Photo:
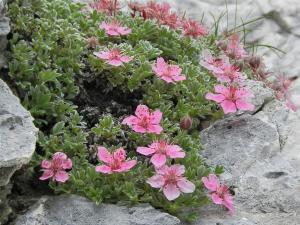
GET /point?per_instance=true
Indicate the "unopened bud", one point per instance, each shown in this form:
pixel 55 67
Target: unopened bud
pixel 222 45
pixel 186 123
pixel 92 42
pixel 255 62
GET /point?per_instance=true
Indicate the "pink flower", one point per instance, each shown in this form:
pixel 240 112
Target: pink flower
pixel 234 48
pixel 115 162
pixel 231 98
pixel 166 72
pixel 107 6
pixel 145 121
pixel 211 63
pixel 219 192
pixel 113 57
pixel 171 181
pixel 114 28
pixel 193 29
pixel 160 150
pixel 162 13
pixel 55 168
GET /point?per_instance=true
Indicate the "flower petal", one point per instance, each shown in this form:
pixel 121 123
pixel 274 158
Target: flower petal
pixel 46 164
pixel 103 169
pixel 130 120
pixel 158 160
pixel 46 175
pixel 215 97
pixel 157 129
pixel 174 151
pixel 186 186
pixel 171 192
pixel 155 117
pixel 61 176
pixel 216 199
pixel 104 155
pixel 139 129
pixel 102 55
pixel 156 181
pixel 125 166
pixel 221 90
pixel 145 150
pixel 141 111
pixel 67 164
pixel 211 182
pixel 242 105
pixel 228 106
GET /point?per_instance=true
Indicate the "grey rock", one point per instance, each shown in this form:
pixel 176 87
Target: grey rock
pixel 265 174
pixel 74 210
pixel 2 6
pixel 262 94
pixel 17 134
pixel 236 143
pixel 4 26
pixel 277 113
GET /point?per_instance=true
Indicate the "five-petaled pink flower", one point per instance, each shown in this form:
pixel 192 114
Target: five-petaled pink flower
pixel 193 29
pixel 166 72
pixel 171 181
pixel 231 98
pixel 114 28
pixel 56 168
pixel 235 48
pixel 160 150
pixel 115 162
pixel 145 121
pixel 219 192
pixel 113 57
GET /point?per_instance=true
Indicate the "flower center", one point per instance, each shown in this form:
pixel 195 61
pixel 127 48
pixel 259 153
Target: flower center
pixel 144 122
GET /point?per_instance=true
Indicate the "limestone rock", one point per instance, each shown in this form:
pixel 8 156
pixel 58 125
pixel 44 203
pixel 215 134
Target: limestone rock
pixel 74 210
pixel 264 173
pixel 262 94
pixel 17 134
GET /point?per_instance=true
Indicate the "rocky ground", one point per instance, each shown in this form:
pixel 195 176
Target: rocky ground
pixel 260 151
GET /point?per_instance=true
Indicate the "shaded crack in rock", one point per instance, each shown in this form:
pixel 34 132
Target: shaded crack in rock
pixel 275 16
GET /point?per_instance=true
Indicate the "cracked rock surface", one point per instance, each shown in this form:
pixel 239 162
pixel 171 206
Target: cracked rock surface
pixel 74 210
pixel 17 134
pixel 259 164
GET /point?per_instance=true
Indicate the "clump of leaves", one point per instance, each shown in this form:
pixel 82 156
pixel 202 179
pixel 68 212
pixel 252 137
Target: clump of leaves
pixel 61 69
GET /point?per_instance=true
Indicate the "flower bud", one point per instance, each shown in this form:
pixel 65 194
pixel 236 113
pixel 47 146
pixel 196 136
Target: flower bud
pixel 92 42
pixel 221 45
pixel 255 62
pixel 186 123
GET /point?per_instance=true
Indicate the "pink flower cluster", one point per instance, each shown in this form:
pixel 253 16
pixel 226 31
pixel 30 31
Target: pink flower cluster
pixel 231 94
pixel 233 48
pixel 162 13
pixel 110 7
pixel 169 179
pixel 219 193
pixel 281 86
